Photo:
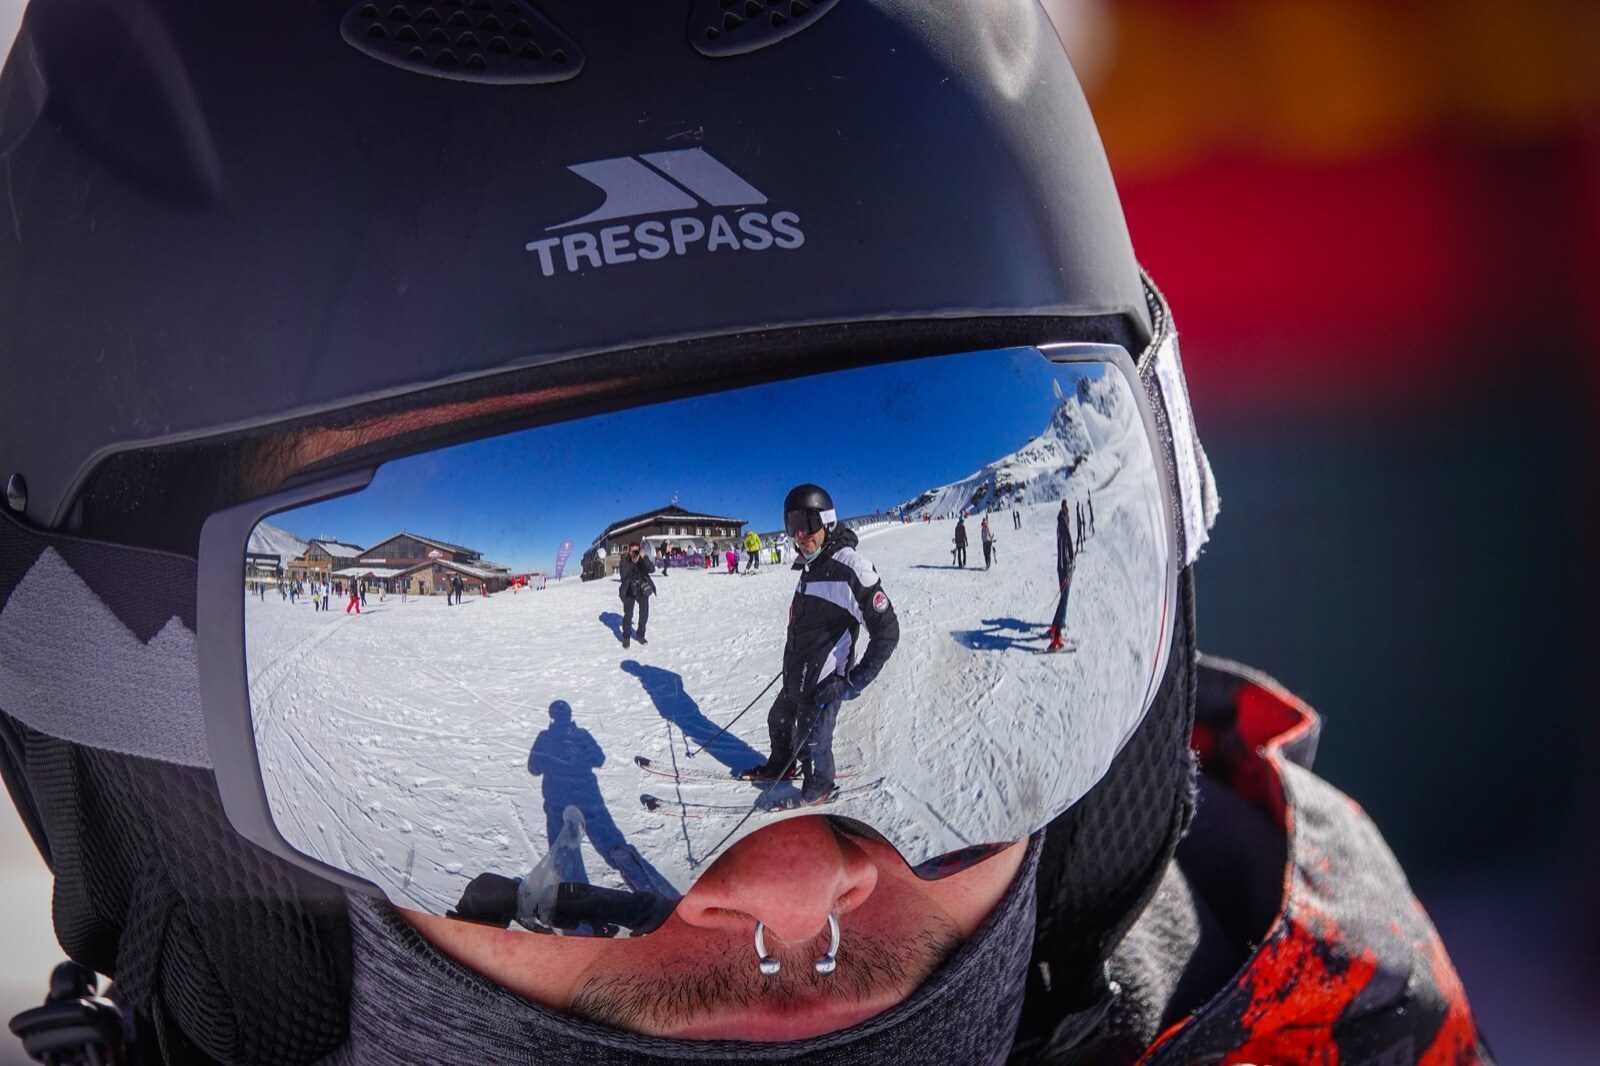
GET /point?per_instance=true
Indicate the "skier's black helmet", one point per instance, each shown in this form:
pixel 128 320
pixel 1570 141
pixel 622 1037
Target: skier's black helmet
pixel 807 509
pixel 247 242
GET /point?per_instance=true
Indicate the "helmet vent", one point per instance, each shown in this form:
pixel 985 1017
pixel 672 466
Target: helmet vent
pixel 733 27
pixel 446 39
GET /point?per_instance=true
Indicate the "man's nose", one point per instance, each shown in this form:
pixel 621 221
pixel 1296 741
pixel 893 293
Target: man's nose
pixel 789 876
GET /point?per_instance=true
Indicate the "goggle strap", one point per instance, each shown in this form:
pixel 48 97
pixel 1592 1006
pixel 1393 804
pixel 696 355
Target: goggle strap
pixel 100 644
pixel 1191 483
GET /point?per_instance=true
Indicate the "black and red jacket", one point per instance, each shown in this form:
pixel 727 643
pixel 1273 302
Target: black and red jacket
pixel 1284 930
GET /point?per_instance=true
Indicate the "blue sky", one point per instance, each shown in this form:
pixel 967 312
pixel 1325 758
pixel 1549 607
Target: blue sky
pixel 873 437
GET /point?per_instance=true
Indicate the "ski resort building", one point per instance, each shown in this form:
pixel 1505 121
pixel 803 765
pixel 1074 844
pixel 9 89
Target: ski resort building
pixel 671 522
pixel 321 560
pixel 427 564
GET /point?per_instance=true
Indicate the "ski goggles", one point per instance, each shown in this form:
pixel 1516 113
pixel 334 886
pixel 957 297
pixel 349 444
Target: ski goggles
pixel 421 679
pixel 807 520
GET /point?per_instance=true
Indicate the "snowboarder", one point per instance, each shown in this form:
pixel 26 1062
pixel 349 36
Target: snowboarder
pixel 1016 518
pixel 355 600
pixel 838 593
pixel 986 538
pixel 961 541
pixel 1066 559
pixel 636 588
pixel 733 560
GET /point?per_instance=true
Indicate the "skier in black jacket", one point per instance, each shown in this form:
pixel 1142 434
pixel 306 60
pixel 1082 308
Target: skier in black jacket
pixel 838 593
pixel 637 587
pixel 1066 560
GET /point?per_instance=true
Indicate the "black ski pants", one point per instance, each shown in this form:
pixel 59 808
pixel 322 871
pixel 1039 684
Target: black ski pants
pixel 961 555
pixel 801 728
pixel 627 615
pixel 1060 620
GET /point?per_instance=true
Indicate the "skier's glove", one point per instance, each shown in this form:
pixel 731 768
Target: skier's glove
pixel 834 689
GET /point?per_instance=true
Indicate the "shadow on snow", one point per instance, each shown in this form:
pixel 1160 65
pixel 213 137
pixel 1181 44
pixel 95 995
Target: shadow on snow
pixel 665 690
pixel 999 634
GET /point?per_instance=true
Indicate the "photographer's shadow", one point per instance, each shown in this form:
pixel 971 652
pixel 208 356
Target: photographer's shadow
pixel 566 756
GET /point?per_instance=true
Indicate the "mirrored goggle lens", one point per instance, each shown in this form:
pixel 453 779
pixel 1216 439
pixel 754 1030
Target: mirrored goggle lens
pixel 465 689
pixel 801 523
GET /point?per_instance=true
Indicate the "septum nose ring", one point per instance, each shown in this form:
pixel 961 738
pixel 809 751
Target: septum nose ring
pixel 826 964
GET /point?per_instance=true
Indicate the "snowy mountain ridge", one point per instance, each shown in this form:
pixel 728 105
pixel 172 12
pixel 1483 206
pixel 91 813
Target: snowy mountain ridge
pixel 1042 468
pixel 270 540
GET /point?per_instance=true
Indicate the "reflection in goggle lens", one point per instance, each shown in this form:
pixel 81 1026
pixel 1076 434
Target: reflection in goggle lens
pixel 804 521
pixel 444 707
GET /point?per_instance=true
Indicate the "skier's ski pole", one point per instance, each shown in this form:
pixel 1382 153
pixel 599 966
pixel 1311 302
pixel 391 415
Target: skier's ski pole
pixel 761 802
pixel 736 717
pixel 1060 590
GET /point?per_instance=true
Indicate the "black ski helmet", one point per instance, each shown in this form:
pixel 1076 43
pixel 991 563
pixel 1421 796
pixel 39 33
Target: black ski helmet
pixel 810 499
pixel 223 220
pixel 227 223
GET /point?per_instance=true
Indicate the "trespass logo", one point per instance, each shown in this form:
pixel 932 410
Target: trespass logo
pixel 665 183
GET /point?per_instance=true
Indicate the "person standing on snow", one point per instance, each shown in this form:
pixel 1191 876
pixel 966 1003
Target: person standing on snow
pixel 1066 560
pixel 839 592
pixel 636 588
pixel 752 547
pixel 961 541
pixel 986 538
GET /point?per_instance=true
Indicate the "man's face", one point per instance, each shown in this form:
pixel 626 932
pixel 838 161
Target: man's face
pixel 696 977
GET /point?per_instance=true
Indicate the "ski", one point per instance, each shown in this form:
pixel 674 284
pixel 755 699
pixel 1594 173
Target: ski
pixel 649 767
pixel 687 809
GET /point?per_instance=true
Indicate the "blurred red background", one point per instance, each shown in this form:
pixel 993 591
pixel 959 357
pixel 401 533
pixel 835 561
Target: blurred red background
pixel 1378 224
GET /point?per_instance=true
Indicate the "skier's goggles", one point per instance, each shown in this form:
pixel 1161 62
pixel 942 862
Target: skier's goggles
pixel 460 721
pixel 806 520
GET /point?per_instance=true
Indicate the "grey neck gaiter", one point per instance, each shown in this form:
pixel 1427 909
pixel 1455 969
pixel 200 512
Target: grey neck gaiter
pixel 410 1003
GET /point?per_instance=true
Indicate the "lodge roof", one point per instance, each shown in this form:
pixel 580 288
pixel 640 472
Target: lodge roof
pixel 671 512
pixel 446 545
pixel 335 549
